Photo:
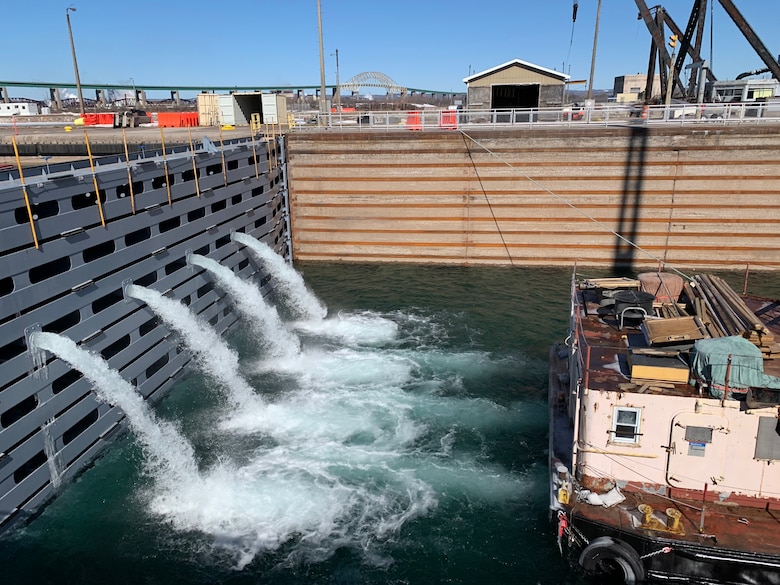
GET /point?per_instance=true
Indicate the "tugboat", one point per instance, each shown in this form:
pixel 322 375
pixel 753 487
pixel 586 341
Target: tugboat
pixel 665 431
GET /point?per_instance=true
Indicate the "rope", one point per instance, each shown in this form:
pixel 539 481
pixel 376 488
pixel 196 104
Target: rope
pixel 577 209
pixel 490 205
pixel 664 551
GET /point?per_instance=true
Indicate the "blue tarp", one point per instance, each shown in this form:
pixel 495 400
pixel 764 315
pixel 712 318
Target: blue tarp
pixel 710 362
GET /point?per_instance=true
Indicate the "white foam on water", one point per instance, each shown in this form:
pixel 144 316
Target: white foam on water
pixel 297 495
pixel 262 317
pixel 211 352
pixel 352 328
pixel 289 281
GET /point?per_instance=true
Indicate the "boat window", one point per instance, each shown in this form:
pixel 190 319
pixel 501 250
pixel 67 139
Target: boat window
pixel 625 425
pixel 768 439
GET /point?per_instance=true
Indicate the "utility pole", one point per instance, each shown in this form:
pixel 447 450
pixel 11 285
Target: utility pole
pixel 593 58
pixel 338 86
pixel 68 10
pixel 670 77
pixel 323 103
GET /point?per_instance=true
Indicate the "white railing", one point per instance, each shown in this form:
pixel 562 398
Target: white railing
pixel 604 115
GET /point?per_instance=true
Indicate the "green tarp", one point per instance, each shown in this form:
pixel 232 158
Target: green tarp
pixel 710 363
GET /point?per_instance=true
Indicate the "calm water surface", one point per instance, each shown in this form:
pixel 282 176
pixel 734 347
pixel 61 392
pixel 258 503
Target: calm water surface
pixel 406 444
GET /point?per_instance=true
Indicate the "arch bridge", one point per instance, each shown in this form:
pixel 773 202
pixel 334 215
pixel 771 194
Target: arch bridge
pixel 372 79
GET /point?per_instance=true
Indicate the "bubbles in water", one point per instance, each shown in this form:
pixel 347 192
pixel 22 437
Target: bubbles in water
pixel 375 430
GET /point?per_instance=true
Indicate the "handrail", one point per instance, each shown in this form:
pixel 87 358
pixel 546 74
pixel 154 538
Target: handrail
pixel 568 116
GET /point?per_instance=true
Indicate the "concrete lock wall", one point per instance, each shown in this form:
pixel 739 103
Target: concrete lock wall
pixel 691 197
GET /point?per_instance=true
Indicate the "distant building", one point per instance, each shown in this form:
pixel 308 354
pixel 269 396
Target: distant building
pixel 745 90
pixel 515 84
pixel 631 88
pixel 20 108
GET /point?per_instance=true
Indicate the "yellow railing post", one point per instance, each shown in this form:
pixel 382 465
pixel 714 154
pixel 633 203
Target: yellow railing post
pixel 129 174
pixel 194 165
pixel 222 149
pixel 165 166
pixel 254 151
pixel 24 192
pixel 94 179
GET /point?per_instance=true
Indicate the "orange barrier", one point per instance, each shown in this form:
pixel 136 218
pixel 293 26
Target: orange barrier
pixel 177 119
pixel 449 120
pixel 94 119
pixel 413 121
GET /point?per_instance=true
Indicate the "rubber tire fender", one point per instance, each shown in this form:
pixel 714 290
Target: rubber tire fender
pixel 618 554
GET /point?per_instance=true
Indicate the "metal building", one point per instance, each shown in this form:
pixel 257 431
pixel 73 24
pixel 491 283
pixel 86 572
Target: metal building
pixel 515 84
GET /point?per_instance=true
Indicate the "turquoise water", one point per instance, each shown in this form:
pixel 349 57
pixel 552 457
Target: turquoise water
pixel 405 444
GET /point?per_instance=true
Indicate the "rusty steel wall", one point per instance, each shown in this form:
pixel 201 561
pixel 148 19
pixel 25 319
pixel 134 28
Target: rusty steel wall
pixel 697 197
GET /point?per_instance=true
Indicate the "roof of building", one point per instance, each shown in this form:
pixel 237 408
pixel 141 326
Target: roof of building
pixel 518 63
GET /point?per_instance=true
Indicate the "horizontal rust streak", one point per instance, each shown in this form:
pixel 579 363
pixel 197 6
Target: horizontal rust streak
pixel 369 244
pixel 522 164
pixel 544 261
pixel 541 191
pixel 545 178
pixel 526 232
pixel 578 218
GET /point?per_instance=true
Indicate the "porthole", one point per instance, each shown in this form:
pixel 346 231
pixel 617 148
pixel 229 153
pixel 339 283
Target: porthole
pixel 138 236
pixel 196 214
pixel 99 251
pixel 261 221
pixel 18 411
pixel 111 350
pixel 146 280
pixel 175 265
pixel 170 224
pixel 65 380
pixel 53 268
pixel 85 200
pixel 12 349
pixel 213 169
pixel 223 241
pixel 6 286
pixel 81 426
pixel 150 325
pixel 63 323
pixel 258 190
pixel 219 206
pixel 156 366
pixel 206 288
pixel 236 199
pixel 27 468
pixel 39 211
pixel 106 301
pixel 232 165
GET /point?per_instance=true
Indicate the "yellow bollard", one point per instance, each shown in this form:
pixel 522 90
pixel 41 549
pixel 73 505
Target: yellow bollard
pixel 673 519
pixel 647 513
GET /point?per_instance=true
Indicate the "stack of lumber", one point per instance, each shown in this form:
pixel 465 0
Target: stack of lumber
pixel 724 313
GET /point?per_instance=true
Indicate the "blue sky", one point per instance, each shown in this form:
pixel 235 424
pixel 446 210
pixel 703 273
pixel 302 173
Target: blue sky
pixel 429 44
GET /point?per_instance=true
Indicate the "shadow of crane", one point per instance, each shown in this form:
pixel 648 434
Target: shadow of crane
pixel 631 201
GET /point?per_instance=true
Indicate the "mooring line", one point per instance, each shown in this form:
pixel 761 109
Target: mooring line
pixel 577 209
pixel 490 206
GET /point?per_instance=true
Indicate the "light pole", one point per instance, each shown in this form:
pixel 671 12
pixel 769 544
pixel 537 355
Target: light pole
pixel 593 58
pixel 338 87
pixel 323 105
pixel 68 10
pixel 135 94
